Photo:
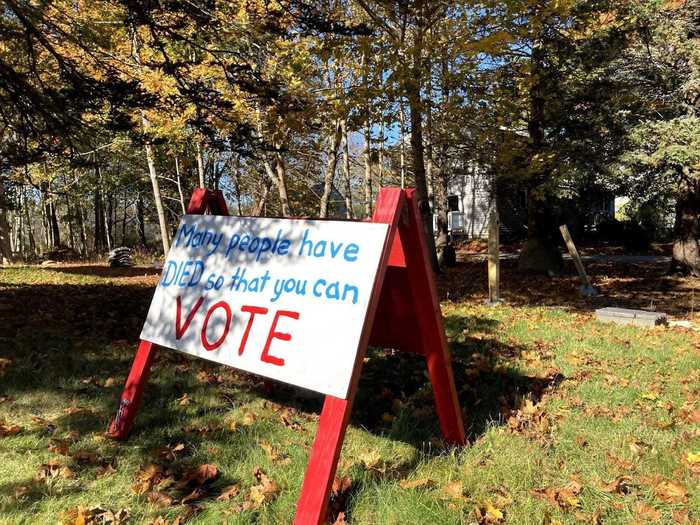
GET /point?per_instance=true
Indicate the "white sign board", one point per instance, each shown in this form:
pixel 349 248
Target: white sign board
pixel 285 299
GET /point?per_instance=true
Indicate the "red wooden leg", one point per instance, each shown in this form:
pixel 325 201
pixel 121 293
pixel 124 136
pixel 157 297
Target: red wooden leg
pixel 446 402
pixel 133 390
pixel 320 472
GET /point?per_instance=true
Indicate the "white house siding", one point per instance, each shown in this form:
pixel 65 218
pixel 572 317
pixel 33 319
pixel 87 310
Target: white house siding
pixel 473 195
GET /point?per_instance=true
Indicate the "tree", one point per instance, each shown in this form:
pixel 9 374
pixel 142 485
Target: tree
pixel 659 75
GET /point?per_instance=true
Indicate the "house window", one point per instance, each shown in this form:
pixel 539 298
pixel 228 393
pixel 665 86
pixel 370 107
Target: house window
pixel 453 203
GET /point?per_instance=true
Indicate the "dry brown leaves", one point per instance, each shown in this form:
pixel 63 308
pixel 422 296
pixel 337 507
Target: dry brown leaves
pixel 170 452
pixel 563 497
pixel 646 513
pixel 620 485
pixel 274 455
pixel 9 430
pixel 94 516
pixel 52 470
pixel 423 483
pixel 670 491
pixel 264 491
pixel 165 487
pixel 229 492
pixel 488 513
pixel 532 421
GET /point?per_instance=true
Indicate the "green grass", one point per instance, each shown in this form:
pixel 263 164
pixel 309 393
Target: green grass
pixel 551 398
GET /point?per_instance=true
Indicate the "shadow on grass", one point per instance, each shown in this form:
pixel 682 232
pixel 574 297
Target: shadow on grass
pixel 58 330
pixel 69 339
pixel 638 285
pixel 96 270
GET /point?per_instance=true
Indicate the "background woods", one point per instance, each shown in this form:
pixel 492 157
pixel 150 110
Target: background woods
pixel 111 112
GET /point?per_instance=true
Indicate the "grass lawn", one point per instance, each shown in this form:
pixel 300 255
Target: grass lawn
pixel 569 421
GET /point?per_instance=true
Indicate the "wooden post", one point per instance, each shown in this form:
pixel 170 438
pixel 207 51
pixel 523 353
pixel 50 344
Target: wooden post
pixel 586 288
pixel 494 258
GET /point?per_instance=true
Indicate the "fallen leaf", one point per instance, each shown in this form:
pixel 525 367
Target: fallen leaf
pixel 454 490
pixel 565 497
pixel 548 520
pixel 161 499
pixel 416 483
pixel 59 446
pixel 340 520
pixel 53 469
pixel 620 485
pixel 83 456
pixel 201 475
pixel 671 492
pixel 693 457
pixel 196 494
pixel 341 485
pixel 647 513
pixel 488 513
pixel 9 430
pixel 266 490
pixel 371 459
pixel 229 492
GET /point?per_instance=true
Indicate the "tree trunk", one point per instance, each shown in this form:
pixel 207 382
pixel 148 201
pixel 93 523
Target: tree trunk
pixel 125 209
pixel 53 220
pixel 367 182
pixel 686 253
pixel 200 165
pixel 53 234
pixel 540 253
pixel 150 159
pixel 413 88
pixel 141 219
pixel 27 220
pixel 100 235
pixel 382 139
pixel 330 170
pixel 107 210
pixel 81 228
pixel 69 218
pixel 237 185
pixel 5 249
pixel 260 207
pixel 282 185
pixel 346 171
pixel 402 146
pixel 179 186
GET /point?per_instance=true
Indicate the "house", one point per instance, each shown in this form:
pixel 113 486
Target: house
pixel 469 203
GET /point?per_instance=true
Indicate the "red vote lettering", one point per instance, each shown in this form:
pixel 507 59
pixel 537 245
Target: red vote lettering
pixel 216 344
pixel 266 357
pixel 180 330
pixel 252 310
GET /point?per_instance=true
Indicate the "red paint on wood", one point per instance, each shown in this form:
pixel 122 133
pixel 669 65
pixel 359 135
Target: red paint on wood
pixel 429 319
pixel 123 422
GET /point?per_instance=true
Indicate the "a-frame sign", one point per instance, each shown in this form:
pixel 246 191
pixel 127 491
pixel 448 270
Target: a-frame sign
pixel 403 313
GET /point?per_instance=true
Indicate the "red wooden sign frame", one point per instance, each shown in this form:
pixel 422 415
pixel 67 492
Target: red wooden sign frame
pixel 404 313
